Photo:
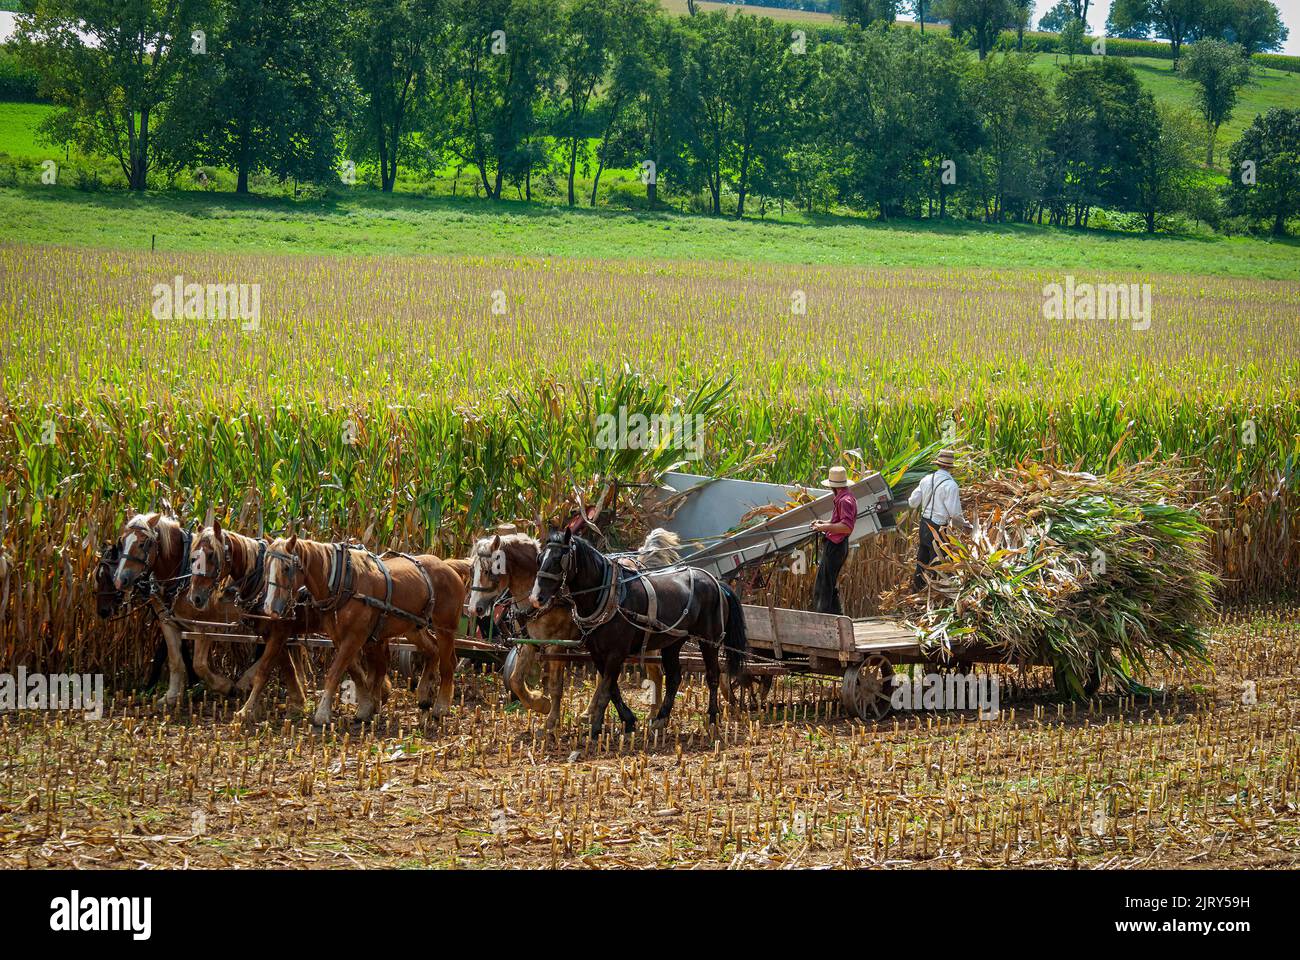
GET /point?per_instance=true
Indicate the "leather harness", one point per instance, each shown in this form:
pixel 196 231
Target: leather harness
pixel 613 595
pixel 341 586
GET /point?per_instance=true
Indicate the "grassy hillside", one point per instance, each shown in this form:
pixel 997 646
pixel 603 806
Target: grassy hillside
pixel 366 222
pixel 1268 89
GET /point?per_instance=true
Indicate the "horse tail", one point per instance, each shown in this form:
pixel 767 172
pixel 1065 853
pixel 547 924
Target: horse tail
pixel 735 640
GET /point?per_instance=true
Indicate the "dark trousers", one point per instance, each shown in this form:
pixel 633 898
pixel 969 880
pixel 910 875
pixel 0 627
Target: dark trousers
pixel 927 551
pixel 826 594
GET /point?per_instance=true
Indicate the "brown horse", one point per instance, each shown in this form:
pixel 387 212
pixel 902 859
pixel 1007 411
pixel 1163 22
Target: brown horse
pixel 506 566
pixel 153 554
pixel 364 601
pixel 229 568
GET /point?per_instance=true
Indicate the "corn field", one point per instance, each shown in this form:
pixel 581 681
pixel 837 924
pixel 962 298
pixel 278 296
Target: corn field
pixel 1195 777
pixel 413 402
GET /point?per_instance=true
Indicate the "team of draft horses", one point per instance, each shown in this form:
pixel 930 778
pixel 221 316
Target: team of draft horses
pixel 559 589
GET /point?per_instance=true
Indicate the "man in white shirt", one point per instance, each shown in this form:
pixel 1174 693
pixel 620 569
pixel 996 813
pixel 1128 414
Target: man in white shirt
pixel 938 499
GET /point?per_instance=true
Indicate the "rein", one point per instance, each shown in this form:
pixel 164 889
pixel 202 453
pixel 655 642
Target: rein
pixel 612 591
pixel 341 586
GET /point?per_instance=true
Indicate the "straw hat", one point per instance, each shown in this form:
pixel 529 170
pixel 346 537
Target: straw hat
pixel 506 529
pixel 944 459
pixel 838 477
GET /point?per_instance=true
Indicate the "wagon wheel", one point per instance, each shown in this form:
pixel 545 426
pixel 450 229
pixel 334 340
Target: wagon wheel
pixel 867 688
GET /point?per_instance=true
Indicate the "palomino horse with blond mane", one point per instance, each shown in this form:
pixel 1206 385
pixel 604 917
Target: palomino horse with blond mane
pixel 153 555
pixel 503 570
pixel 229 568
pixel 364 600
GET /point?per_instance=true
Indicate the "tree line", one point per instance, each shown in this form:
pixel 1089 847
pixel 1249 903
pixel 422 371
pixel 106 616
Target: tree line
pixel 728 113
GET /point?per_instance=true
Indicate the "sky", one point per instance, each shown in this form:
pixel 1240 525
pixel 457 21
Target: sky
pixel 1100 10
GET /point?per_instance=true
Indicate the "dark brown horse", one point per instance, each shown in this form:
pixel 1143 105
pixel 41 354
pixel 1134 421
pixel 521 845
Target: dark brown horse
pixel 504 569
pixel 619 611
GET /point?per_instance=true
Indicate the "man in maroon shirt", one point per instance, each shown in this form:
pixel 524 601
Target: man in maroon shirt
pixel 834 543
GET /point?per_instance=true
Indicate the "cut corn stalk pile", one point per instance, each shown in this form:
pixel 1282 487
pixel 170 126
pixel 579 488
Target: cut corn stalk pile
pixel 1094 575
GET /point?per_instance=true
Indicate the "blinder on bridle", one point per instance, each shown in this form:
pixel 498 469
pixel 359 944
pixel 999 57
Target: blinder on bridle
pixel 222 561
pixel 296 567
pixel 149 550
pixel 565 550
pixel 109 557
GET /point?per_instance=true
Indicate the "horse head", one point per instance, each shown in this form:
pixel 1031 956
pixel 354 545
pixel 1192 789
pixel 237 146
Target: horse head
pixel 139 548
pixel 209 564
pixel 107 597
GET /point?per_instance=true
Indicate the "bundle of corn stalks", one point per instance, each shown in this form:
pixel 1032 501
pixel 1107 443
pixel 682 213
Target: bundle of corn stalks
pixel 1094 575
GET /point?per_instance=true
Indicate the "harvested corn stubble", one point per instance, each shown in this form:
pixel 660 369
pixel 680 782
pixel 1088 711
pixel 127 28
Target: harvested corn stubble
pixel 1094 575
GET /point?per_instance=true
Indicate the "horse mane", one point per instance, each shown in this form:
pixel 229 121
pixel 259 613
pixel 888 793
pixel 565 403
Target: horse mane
pixel 462 566
pixel 166 530
pixel 518 547
pixel 660 548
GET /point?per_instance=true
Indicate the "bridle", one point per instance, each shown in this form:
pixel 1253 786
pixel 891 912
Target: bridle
pixel 296 567
pixel 518 615
pixel 149 550
pixel 109 557
pixel 566 564
pixel 224 560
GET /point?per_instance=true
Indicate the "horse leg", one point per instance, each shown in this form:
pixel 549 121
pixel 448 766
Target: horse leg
pixel 711 674
pixel 345 655
pixel 294 668
pixel 428 645
pixel 156 667
pixel 655 674
pixel 175 662
pixel 446 671
pixel 534 700
pixel 212 681
pixel 251 710
pixel 245 681
pixel 555 691
pixel 371 697
pixel 608 677
pixel 670 658
pixel 622 709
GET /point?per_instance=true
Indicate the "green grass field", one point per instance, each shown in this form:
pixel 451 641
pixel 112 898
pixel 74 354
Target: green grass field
pixel 18 137
pixel 367 223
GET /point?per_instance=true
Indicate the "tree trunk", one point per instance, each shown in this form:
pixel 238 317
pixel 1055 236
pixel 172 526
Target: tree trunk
pixel 573 166
pixel 140 158
pixel 1151 221
pixel 241 186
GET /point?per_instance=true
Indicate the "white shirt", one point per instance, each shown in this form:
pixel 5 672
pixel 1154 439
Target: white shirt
pixel 938 497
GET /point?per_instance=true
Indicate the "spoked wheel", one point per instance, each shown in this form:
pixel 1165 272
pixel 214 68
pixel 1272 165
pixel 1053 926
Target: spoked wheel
pixel 867 688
